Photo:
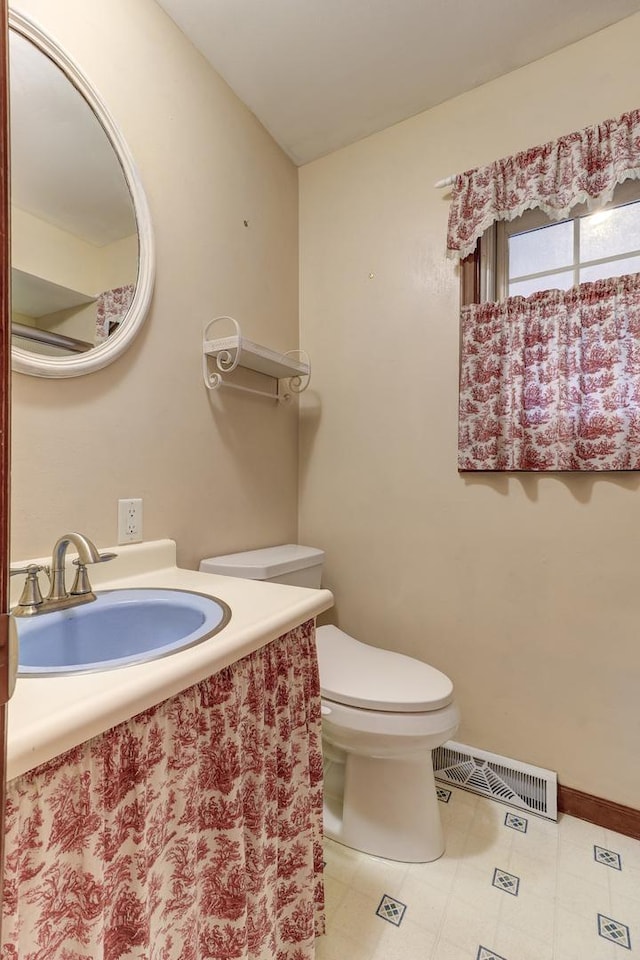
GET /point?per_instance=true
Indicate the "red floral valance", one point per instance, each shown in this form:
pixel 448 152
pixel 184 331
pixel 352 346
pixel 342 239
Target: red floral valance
pixel 582 167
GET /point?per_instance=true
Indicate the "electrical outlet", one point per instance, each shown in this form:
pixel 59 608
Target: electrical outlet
pixel 129 521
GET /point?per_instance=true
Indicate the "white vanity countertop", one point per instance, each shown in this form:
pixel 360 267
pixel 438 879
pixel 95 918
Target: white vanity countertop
pixel 48 715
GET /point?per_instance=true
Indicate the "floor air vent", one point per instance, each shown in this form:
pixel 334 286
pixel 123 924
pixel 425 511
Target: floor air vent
pixel 509 781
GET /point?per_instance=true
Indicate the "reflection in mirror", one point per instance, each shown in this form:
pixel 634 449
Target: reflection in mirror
pixel 82 267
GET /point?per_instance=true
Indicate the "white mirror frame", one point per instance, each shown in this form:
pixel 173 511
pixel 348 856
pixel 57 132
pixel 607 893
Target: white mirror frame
pixel 37 365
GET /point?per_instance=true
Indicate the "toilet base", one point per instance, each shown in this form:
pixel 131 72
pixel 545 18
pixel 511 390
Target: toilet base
pixel 388 807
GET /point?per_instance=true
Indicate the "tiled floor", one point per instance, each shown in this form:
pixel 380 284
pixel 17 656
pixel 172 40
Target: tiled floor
pixel 510 886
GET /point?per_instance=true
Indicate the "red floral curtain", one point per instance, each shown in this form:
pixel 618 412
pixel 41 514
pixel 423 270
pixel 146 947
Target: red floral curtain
pixel 552 381
pixel 192 831
pixel 584 166
pixel 113 306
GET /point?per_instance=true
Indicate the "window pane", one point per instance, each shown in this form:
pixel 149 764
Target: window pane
pixel 548 248
pixel 616 268
pixel 552 281
pixel 609 233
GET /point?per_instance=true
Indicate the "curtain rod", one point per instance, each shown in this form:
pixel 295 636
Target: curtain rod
pixel 445 182
pixel 50 338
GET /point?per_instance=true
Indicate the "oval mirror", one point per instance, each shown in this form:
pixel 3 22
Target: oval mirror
pixel 82 253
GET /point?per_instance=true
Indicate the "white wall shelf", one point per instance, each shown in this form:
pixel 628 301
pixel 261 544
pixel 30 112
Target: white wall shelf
pixel 233 351
pixel 35 296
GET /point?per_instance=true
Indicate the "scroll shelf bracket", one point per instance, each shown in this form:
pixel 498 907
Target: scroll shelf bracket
pixel 291 371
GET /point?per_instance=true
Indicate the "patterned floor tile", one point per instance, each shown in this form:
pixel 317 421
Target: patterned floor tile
pixel 506 881
pixel 485 954
pixel 443 795
pixel 608 857
pixel 516 823
pixel 614 930
pixel 391 909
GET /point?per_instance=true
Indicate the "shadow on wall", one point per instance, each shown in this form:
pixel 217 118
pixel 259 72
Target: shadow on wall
pixel 310 413
pixel 579 485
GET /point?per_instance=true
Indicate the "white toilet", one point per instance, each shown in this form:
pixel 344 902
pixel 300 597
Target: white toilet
pixel 382 715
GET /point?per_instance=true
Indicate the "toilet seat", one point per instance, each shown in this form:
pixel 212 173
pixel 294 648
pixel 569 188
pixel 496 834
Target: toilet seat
pixel 359 675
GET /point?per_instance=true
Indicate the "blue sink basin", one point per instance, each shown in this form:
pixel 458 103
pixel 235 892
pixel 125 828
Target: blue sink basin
pixel 119 628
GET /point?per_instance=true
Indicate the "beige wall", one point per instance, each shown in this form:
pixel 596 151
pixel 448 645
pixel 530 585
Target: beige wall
pixel 118 263
pixel 46 251
pixel 524 589
pixel 215 472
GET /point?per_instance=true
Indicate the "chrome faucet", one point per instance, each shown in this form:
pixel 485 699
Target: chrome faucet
pixel 87 553
pixel 31 602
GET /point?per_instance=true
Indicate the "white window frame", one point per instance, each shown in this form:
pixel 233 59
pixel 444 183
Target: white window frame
pixel 494 266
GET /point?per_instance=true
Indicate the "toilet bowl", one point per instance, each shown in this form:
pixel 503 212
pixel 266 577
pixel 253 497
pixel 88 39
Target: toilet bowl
pixel 382 715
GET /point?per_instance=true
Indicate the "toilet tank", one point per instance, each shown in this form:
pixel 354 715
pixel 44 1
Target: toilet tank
pixel 288 563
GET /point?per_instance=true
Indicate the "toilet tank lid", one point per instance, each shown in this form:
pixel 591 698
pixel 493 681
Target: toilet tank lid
pixel 264 563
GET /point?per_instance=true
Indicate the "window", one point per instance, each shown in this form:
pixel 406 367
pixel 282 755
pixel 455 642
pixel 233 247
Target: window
pixel 533 252
pixel 550 319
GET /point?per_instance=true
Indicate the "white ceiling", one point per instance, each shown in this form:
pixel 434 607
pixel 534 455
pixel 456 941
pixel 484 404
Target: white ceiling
pixel 320 74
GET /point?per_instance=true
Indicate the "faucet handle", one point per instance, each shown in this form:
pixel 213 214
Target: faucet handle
pixel 102 558
pixel 81 585
pixel 30 567
pixel 31 596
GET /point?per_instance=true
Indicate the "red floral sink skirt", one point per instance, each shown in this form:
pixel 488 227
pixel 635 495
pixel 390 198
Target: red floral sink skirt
pixel 192 831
